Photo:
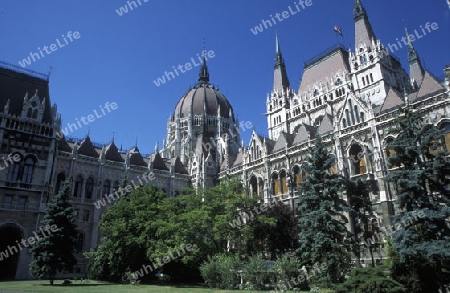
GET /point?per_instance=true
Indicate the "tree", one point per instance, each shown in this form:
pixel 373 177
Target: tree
pixel 365 227
pixel 277 238
pixel 323 236
pixel 128 229
pixel 422 232
pixel 56 251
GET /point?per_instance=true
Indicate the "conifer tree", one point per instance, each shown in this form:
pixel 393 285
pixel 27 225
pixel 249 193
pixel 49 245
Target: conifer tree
pixel 323 236
pixel 420 179
pixel 54 253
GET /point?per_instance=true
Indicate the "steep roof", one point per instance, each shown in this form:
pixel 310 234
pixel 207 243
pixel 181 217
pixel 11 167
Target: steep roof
pixel 326 125
pixel 428 87
pixel 112 153
pixel 136 157
pixel 304 132
pixel 14 85
pixel 87 148
pixel 64 146
pixel 284 140
pixel 178 166
pixel 158 162
pixel 391 101
pixel 322 68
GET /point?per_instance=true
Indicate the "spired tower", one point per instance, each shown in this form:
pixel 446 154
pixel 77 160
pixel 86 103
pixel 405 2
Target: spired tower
pixel 202 132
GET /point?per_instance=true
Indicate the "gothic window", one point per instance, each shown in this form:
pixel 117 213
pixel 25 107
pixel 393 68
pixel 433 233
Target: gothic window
pixel 35 112
pixel 21 204
pixel 275 184
pixel 284 188
pixel 347 114
pixel 7 202
pixel 254 186
pixel 371 77
pixel 14 171
pixel 29 112
pixel 362 116
pixel 316 93
pixel 116 186
pixel 295 102
pixel 106 187
pixel 356 66
pixel 297 176
pixel 86 215
pixel 60 178
pixel 333 168
pixel 447 136
pixel 389 152
pixel 357 160
pixel 356 113
pixel 78 187
pixel 89 188
pixel 27 173
pixel 338 82
pixel 351 111
pixel 344 122
pixel 363 81
pixel 80 241
pixel 363 59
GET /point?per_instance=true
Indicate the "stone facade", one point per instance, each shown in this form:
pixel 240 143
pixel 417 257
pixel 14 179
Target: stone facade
pixel 350 98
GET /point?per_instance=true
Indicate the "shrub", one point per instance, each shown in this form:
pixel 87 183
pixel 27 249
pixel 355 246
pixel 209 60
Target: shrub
pixel 258 272
pixel 220 271
pixel 370 279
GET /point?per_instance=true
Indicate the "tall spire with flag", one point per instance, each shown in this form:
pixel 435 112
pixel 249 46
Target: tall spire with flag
pixel 363 29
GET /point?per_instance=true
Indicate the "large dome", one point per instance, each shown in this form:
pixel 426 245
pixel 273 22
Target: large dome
pixel 203 98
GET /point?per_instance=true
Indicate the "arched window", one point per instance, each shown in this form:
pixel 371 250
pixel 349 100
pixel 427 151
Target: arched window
pixel 284 187
pixel 362 116
pixel 116 186
pixel 344 122
pixel 298 179
pixel 78 187
pixel 356 113
pixel 357 159
pixel 80 241
pixel 106 187
pixel 347 114
pixel 59 181
pixel 446 128
pixel 29 112
pixel 14 169
pixel 28 167
pixel 35 112
pixel 253 186
pixel 89 188
pixel 275 184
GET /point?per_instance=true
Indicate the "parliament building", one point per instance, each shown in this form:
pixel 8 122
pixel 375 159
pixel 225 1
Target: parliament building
pixel 347 96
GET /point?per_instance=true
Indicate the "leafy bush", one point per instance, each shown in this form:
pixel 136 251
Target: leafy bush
pixel 220 271
pixel 370 279
pixel 259 272
pixel 288 271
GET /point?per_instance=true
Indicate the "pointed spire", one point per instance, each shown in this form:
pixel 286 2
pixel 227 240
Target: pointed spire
pixel 280 78
pixel 416 71
pixel 358 10
pixel 363 29
pixel 203 77
pixel 156 148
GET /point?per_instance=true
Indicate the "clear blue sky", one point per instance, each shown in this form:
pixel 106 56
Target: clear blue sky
pixel 116 58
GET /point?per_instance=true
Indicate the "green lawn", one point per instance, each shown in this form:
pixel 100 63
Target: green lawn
pixel 99 287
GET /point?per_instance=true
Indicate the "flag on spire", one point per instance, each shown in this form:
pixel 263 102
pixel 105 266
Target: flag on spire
pixel 339 30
